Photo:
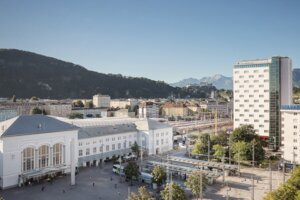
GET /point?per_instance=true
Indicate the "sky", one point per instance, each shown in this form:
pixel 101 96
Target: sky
pixel 165 40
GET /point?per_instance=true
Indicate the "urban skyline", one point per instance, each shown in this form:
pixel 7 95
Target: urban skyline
pixel 138 38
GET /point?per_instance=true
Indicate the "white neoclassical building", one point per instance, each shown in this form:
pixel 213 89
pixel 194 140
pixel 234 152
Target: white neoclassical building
pixel 37 146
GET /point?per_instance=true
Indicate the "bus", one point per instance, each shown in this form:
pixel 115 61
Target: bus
pixel 146 178
pixel 118 169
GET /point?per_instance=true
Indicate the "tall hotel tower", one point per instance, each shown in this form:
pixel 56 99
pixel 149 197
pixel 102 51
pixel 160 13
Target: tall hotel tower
pixel 260 88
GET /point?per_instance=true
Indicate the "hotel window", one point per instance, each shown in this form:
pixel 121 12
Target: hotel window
pixel 261 105
pixel 251 105
pixel 295 127
pixel 266 90
pixel 261 86
pixel 94 150
pixel 246 81
pixel 246 120
pixel 107 147
pixel 261 126
pixel 266 70
pixel 113 147
pixel 241 76
pixel 241 105
pixel 266 111
pixel 295 133
pixel 241 115
pixel 261 96
pixel 241 95
pixel 101 149
pixel 157 142
pixel 255 81
pixel 80 152
pixel 251 96
pixel 251 86
pixel 119 145
pixel 237 100
pixel 266 81
pixel 241 86
pixel 237 110
pixel 255 71
pixel 255 90
pixel 256 110
pixel 246 100
pixel 236 91
pixel 256 100
pixel 295 114
pixel 113 139
pixel 256 120
pixel 246 91
pixel 295 140
pixel 236 81
pixel 130 143
pixel 251 115
pixel 246 110
pixel 266 121
pixel 80 144
pixel 237 120
pixel 119 138
pixel 261 75
pixel 162 141
pixel 87 152
pixel 251 76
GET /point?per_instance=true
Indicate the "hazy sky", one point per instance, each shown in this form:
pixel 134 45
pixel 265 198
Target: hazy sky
pixel 159 39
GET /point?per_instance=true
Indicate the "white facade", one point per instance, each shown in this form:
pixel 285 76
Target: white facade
pixel 123 103
pixel 28 156
pixel 290 134
pixel 254 82
pixel 101 101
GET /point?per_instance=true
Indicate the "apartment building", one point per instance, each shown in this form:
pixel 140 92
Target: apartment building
pixel 260 87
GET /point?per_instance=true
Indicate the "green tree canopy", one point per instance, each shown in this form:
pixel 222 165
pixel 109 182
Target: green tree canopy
pixel 88 104
pixel 76 115
pixel 176 191
pixel 78 103
pixel 135 149
pixel 194 182
pixel 142 194
pixel 201 145
pixel 221 139
pixel 159 175
pixel 36 110
pixel 132 170
pixel 219 151
pixel 244 133
pixel 240 151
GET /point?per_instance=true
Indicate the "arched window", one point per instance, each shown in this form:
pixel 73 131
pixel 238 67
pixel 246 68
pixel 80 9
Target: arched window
pixel 57 154
pixel 28 159
pixel 43 156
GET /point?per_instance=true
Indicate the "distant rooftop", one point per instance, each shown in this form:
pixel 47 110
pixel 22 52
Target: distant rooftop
pixel 96 131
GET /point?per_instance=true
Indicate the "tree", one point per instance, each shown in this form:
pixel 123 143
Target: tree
pixel 88 104
pixel 78 103
pixel 176 192
pixel 76 115
pixel 244 133
pixel 284 192
pixel 159 175
pixel 239 150
pixel 221 139
pixel 135 149
pixel 36 111
pixel 219 151
pixel 201 145
pixel 294 179
pixel 142 194
pixel 132 171
pixel 194 182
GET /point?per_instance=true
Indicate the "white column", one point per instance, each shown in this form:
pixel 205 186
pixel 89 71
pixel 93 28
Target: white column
pixel 64 153
pixel 36 155
pixel 72 157
pixel 51 157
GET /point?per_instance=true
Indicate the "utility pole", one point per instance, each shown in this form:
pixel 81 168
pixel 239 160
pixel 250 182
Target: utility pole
pixel 223 168
pixel 239 163
pixel 283 172
pixel 208 150
pixel 253 153
pixel 270 177
pixel 252 193
pixel 201 191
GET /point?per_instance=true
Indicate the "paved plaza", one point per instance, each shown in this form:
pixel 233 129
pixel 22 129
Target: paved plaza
pixel 60 189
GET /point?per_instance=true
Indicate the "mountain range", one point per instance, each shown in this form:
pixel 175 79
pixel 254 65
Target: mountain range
pixel 218 80
pixel 26 74
pixel 223 82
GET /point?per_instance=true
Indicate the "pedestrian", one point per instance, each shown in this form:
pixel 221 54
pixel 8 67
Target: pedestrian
pixel 93 184
pixel 111 178
pixel 43 188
